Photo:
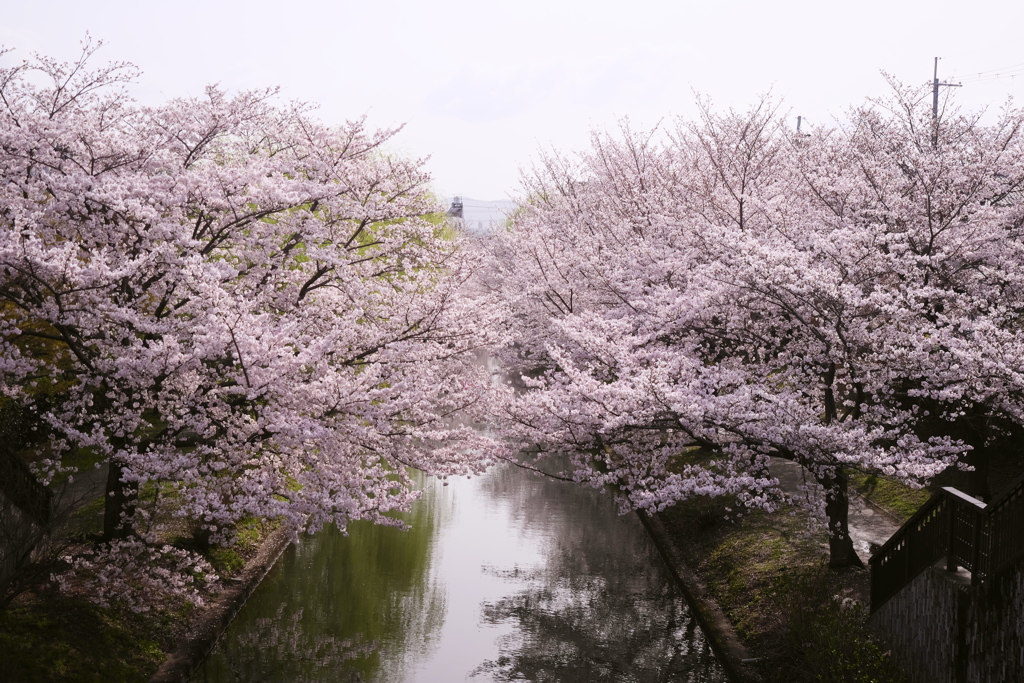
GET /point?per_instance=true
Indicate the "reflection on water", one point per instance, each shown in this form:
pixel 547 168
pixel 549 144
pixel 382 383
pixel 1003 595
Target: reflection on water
pixel 337 608
pixel 504 577
pixel 600 607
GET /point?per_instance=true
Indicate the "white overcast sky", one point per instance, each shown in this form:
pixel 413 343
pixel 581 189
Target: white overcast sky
pixel 482 86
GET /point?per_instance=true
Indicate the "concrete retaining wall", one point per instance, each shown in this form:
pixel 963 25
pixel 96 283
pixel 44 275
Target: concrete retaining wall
pixel 178 667
pixel 732 653
pixel 943 630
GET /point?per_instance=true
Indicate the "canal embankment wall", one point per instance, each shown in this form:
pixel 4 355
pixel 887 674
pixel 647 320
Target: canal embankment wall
pixel 736 659
pixel 214 618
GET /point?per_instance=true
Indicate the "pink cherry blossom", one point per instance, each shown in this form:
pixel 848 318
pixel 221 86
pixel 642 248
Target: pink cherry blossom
pixel 263 314
pixel 845 300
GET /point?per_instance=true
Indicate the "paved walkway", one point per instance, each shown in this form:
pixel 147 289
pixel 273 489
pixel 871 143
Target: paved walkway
pixel 86 486
pixel 867 525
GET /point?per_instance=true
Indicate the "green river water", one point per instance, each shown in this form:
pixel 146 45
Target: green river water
pixel 504 577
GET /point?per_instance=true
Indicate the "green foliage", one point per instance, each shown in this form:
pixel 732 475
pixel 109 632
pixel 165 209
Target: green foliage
pixel 250 534
pixel 827 637
pixel 225 560
pixel 747 560
pixel 16 424
pixel 83 459
pixel 46 636
pixel 56 638
pixel 87 519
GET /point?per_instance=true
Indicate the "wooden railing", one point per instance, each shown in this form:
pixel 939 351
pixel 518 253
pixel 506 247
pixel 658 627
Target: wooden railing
pixel 1004 540
pixel 984 539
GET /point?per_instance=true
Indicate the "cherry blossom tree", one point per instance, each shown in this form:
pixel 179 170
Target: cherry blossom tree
pixel 926 211
pixel 226 297
pixel 736 288
pixel 611 271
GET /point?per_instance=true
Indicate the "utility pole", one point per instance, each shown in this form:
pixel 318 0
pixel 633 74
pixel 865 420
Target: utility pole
pixel 935 101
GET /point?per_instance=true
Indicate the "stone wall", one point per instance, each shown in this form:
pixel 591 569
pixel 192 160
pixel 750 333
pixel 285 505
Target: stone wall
pixel 941 630
pixel 995 630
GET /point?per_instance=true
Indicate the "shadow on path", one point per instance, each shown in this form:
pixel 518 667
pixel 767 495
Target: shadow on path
pixel 867 525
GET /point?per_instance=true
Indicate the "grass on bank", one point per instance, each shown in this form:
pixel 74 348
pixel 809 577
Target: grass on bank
pixel 769 573
pixel 897 499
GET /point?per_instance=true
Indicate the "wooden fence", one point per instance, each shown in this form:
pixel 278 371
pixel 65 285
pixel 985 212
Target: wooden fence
pixel 984 539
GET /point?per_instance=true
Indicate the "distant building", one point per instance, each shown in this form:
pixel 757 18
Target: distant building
pixel 456 208
pixel 480 216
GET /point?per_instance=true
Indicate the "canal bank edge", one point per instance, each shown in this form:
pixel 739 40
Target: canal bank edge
pixel 734 655
pixel 215 617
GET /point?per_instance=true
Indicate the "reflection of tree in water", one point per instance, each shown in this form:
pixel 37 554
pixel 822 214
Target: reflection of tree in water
pixel 338 609
pixel 601 607
pixel 279 649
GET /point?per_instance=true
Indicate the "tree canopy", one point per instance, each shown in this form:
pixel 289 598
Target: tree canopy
pixel 844 299
pixel 225 296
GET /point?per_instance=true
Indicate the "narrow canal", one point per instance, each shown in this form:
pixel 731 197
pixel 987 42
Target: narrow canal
pixel 504 577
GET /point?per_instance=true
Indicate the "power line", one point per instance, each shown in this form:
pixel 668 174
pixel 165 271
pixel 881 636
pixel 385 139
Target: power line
pixel 1000 69
pixel 993 77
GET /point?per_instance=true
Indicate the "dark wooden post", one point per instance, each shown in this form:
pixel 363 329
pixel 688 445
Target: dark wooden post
pixel 908 556
pixel 951 510
pixel 976 548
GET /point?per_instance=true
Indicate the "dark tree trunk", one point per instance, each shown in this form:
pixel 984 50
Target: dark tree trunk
pixel 119 504
pixel 837 500
pixel 841 553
